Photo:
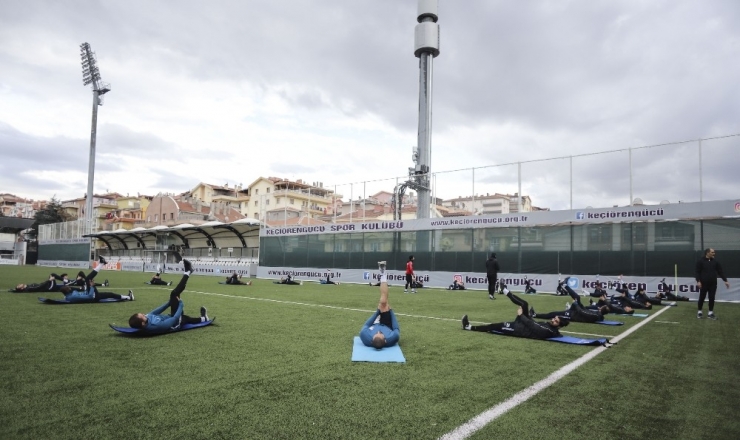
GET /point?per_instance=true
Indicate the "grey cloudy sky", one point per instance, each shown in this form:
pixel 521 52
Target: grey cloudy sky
pixel 226 91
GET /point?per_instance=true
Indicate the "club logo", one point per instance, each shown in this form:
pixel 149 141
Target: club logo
pixel 580 215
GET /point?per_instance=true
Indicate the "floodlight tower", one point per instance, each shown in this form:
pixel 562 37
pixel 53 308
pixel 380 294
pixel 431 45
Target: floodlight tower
pixel 91 75
pixel 426 48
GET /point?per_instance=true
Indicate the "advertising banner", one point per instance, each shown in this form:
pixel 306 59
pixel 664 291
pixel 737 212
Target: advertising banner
pixel 216 270
pixel 478 281
pixel 60 263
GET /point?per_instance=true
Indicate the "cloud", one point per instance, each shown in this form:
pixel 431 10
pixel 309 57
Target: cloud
pixel 328 91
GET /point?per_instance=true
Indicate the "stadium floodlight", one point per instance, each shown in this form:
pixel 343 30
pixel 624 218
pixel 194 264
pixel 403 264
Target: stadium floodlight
pixel 91 75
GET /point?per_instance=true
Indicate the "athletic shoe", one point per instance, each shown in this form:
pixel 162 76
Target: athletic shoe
pixel 102 260
pixel 188 266
pixel 169 283
pixel 465 322
pixel 413 290
pixel 178 257
pixel 532 314
pixel 131 295
pixel 204 313
pixel 301 283
pixel 699 314
pixel 711 316
pixel 590 302
pixel 491 296
pixel 405 291
pixel 567 306
pixel 105 283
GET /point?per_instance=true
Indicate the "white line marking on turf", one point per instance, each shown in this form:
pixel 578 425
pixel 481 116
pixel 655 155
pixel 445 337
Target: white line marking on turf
pixel 668 322
pixel 476 423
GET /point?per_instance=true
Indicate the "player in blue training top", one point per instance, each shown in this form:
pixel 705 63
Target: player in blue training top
pixel 89 292
pixel 156 322
pixel 381 330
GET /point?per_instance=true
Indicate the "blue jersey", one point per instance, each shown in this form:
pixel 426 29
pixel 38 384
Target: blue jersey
pixel 78 296
pixel 392 335
pixel 158 323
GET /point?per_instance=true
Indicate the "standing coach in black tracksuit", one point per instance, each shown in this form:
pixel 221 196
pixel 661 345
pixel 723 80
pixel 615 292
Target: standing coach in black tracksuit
pixel 707 271
pixel 492 275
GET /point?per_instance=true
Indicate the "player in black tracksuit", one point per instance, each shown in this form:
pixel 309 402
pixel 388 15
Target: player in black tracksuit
pixel 707 271
pixel 577 312
pixel 598 290
pixel 625 300
pixel 492 269
pixel 523 326
pixel 47 286
pixel 614 307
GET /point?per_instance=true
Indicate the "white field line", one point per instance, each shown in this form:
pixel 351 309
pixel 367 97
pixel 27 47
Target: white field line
pixel 481 420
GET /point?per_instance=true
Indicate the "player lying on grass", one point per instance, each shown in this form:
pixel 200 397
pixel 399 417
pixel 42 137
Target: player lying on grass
pixel 664 292
pixel 456 285
pixel 288 279
pixel 51 284
pixel 381 329
pixel 598 290
pixel 81 280
pixel 158 322
pixel 90 292
pixel 614 307
pixel 625 299
pixel 158 281
pixel 528 289
pixel 575 312
pixel 523 326
pixel 236 278
pixel 328 279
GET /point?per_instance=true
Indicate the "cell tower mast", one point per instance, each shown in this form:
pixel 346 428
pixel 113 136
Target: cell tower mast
pixel 426 48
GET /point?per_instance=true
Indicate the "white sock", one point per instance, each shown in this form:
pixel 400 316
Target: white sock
pixel 202 319
pixel 506 291
pixel 187 274
pixel 383 278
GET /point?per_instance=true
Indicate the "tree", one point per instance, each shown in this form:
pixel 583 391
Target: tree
pixel 52 213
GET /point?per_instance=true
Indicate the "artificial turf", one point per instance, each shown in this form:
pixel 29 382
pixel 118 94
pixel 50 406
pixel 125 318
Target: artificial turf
pixel 276 364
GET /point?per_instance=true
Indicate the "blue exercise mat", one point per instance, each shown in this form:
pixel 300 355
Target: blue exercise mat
pixel 565 339
pixel 634 315
pixel 137 332
pixel 64 301
pixel 605 322
pixel 362 353
pixel 579 341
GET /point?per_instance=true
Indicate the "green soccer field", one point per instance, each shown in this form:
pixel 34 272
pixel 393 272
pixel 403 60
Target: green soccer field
pixel 276 365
